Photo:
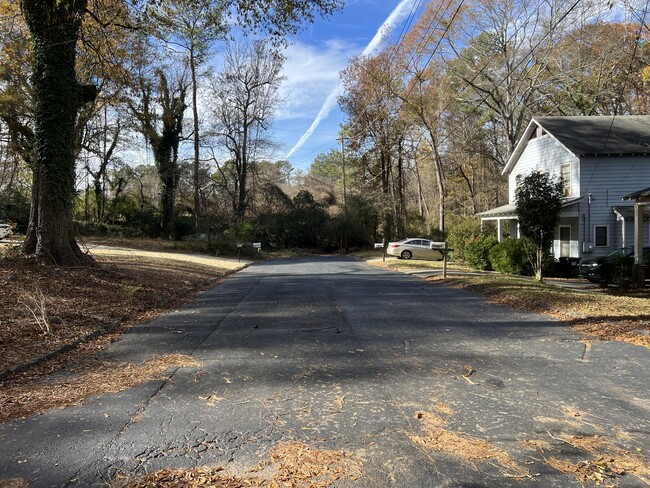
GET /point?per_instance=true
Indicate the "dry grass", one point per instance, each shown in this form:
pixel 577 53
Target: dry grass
pixel 14 483
pixel 93 378
pixel 291 464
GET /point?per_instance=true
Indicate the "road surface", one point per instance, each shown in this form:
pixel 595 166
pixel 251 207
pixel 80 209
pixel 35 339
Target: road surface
pixel 423 384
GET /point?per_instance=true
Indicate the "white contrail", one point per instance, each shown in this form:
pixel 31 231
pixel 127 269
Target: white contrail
pixel 396 16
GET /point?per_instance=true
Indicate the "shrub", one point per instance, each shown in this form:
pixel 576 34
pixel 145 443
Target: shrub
pixel 181 227
pixel 477 251
pixel 462 230
pixel 510 257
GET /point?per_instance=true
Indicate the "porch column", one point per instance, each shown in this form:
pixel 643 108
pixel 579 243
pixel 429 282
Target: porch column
pixel 639 268
pixel 498 230
pixel 638 233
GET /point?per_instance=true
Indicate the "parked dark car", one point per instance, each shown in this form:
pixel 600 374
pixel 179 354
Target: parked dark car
pixel 604 268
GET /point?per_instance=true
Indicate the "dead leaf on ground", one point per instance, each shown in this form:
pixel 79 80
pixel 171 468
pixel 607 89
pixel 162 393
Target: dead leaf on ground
pixel 93 378
pixel 603 462
pixel 438 438
pixel 14 483
pixel 292 464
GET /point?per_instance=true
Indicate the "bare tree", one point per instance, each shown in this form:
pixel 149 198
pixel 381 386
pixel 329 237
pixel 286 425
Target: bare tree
pixel 246 96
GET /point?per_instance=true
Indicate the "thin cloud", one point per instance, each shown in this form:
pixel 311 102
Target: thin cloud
pixel 399 13
pixel 310 71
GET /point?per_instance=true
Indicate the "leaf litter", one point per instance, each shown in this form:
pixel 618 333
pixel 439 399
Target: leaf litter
pixel 599 461
pixel 291 464
pixel 90 379
pixel 607 315
pixel 437 437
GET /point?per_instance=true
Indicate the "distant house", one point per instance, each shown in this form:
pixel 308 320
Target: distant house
pixel 601 159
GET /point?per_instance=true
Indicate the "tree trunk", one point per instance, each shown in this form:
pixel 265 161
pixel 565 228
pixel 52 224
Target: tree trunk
pixel 539 257
pixel 29 244
pixel 195 113
pixel 54 25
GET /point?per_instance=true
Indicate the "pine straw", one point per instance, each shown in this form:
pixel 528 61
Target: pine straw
pixel 437 438
pixel 606 464
pixel 14 483
pixel 75 302
pixel 605 315
pixel 293 464
pixel 90 379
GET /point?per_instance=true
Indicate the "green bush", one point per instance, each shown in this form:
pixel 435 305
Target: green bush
pixel 14 207
pixel 510 257
pixel 477 251
pixel 462 230
pixel 182 226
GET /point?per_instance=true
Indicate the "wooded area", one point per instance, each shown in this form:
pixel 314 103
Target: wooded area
pixel 112 121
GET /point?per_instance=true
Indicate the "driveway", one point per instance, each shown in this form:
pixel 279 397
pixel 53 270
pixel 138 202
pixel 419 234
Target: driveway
pixel 418 384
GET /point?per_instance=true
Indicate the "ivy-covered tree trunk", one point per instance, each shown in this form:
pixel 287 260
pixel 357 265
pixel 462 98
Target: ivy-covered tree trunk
pixel 163 131
pixel 54 26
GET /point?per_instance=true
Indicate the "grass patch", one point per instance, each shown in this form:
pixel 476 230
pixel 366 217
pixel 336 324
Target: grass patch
pixel 404 265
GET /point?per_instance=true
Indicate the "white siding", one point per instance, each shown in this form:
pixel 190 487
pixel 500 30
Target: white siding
pixel 608 179
pixel 547 154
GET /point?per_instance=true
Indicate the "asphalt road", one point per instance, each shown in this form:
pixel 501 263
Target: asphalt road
pixel 342 356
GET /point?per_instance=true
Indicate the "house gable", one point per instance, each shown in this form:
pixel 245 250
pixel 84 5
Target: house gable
pixel 541 152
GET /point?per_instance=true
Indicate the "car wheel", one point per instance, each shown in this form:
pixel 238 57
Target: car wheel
pixel 407 254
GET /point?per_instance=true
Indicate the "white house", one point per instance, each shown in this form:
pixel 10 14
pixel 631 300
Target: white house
pixel 601 159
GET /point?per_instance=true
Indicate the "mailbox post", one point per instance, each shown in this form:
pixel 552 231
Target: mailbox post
pixel 442 247
pixel 239 247
pixel 380 245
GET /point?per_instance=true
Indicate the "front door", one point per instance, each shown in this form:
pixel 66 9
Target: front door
pixel 565 241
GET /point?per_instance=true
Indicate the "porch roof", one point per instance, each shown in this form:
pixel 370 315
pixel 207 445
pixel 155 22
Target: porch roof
pixel 627 212
pixel 641 196
pixel 509 211
pixel 502 212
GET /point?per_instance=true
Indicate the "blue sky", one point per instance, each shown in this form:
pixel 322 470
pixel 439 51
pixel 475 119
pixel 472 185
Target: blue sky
pixel 312 66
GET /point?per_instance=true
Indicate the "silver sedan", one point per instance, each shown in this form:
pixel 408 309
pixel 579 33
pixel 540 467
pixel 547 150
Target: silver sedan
pixel 416 248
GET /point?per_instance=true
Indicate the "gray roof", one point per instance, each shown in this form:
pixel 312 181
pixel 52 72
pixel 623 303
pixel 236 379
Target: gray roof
pixel 638 195
pixel 600 135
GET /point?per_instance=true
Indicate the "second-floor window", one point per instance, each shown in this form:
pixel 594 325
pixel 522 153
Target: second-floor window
pixel 565 174
pixel 601 233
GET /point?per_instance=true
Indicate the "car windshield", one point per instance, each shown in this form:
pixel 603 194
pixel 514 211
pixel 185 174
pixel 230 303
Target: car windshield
pixel 624 251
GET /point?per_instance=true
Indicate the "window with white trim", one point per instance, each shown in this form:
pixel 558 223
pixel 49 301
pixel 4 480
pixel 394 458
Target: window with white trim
pixel 601 235
pixel 565 174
